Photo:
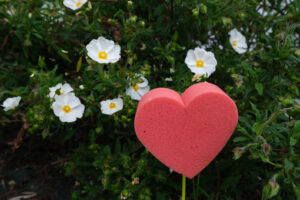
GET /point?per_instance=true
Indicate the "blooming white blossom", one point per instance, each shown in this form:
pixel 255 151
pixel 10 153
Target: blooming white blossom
pixel 81 87
pixel 11 103
pixel 48 5
pixel 252 42
pixel 103 50
pixel 172 70
pixel 74 4
pixel 269 31
pixel 238 41
pixel 168 79
pixel 11 11
pixel 111 106
pixel 266 7
pixel 211 41
pixel 140 89
pixel 52 6
pixel 67 107
pixel 261 10
pixel 63 88
pixel 200 61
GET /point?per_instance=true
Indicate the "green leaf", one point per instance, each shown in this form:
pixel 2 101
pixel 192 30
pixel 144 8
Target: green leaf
pixel 288 164
pixel 266 192
pixel 259 87
pixel 41 62
pixel 271 189
pixel 296 129
pixel 78 66
pixel 175 36
pixel 293 141
pixel 240 139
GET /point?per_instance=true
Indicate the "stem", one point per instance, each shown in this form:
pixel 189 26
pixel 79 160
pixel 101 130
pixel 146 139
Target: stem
pixel 183 187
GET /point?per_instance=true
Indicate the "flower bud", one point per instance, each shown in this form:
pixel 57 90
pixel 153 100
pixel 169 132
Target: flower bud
pixel 226 21
pixel 274 187
pixel 133 19
pixel 135 181
pixel 141 23
pixel 266 148
pixel 129 5
pixel 203 9
pixel 238 152
pixel 195 12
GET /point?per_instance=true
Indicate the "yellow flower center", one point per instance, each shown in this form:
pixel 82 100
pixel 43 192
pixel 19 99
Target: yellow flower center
pixel 102 55
pixel 199 63
pixel 136 87
pixel 66 109
pixel 78 4
pixel 234 43
pixel 112 105
pixel 61 91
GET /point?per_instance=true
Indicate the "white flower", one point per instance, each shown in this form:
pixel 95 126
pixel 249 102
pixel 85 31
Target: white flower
pixel 168 79
pixel 269 31
pixel 67 107
pixel 48 8
pixel 81 87
pixel 200 61
pixel 111 106
pixel 172 70
pixel 103 50
pixel 48 5
pixel 63 88
pixel 238 41
pixel 252 42
pixel 140 89
pixel 74 4
pixel 11 103
pixel 11 11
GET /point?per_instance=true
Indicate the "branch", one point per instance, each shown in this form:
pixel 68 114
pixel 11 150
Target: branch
pixel 5 41
pixel 16 142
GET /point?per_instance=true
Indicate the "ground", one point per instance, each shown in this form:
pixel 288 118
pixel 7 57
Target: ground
pixel 34 169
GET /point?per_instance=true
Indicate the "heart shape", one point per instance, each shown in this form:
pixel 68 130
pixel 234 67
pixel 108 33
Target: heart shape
pixel 186 132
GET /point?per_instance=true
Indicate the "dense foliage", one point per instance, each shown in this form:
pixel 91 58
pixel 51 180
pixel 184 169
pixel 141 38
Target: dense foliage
pixel 41 46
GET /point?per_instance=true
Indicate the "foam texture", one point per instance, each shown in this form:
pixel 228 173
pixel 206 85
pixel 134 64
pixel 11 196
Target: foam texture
pixel 186 132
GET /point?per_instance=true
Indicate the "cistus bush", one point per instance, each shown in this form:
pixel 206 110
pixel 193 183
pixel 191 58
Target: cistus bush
pixel 114 51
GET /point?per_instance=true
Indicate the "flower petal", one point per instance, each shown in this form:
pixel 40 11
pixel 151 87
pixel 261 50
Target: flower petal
pixel 190 58
pixel 57 109
pixel 199 53
pixel 105 44
pixel 142 91
pixel 145 81
pixel 114 54
pixel 210 59
pixel 66 88
pixel 133 94
pixel 78 111
pixel 67 118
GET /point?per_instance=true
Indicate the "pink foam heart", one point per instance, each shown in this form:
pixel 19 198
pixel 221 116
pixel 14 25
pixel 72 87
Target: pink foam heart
pixel 186 132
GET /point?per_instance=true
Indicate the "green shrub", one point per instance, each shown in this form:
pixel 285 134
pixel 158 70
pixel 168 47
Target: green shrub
pixel 42 46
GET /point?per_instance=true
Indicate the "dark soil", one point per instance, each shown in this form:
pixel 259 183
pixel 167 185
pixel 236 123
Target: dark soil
pixel 34 169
